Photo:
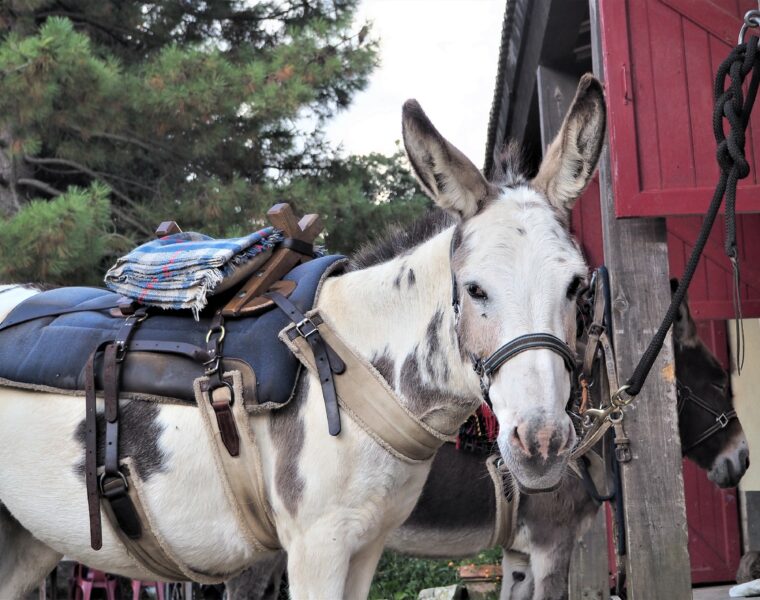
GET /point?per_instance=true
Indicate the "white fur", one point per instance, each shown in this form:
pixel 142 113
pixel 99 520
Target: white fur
pixel 355 492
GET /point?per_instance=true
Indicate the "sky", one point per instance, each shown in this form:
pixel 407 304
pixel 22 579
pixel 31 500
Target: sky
pixel 443 53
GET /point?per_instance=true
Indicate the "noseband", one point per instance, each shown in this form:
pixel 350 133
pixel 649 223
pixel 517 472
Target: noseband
pixel 485 368
pixel 722 419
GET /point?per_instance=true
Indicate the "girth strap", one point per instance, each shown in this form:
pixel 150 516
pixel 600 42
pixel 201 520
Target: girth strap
pixel 327 361
pixel 112 484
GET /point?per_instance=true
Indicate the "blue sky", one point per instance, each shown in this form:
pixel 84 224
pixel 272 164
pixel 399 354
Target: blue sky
pixel 441 52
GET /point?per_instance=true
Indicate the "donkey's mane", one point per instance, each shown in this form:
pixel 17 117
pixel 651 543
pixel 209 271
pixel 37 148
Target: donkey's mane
pixel 508 171
pixel 509 168
pixel 397 240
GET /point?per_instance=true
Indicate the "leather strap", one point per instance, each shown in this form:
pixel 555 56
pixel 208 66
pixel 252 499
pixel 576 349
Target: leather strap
pixel 367 398
pixel 193 352
pixel 530 341
pixel 327 362
pixel 221 399
pixel 241 475
pixel 507 501
pixel 103 303
pixel 112 484
pixel 90 459
pixel 300 246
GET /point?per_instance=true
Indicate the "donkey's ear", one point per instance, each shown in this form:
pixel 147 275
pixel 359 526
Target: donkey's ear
pixel 684 327
pixel 446 175
pixel 571 159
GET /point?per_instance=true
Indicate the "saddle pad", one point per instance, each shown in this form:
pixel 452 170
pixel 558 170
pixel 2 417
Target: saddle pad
pixel 180 270
pixel 52 350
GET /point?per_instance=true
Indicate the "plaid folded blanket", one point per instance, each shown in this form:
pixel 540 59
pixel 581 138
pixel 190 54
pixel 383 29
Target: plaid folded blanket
pixel 180 270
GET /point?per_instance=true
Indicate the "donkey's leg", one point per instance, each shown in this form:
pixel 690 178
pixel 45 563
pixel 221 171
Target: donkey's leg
pixel 261 581
pixel 318 565
pixel 362 568
pixel 550 566
pixel 24 560
pixel 517 578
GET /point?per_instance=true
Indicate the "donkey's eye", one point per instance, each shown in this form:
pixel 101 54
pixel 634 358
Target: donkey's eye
pixel 476 291
pixel 575 285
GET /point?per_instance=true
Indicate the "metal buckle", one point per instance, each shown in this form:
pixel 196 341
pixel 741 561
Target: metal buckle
pixel 306 321
pixel 216 330
pixel 722 420
pixel 102 478
pixel 226 384
pixel 121 351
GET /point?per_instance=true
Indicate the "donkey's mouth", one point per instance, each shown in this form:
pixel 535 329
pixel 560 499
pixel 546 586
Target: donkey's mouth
pixel 532 477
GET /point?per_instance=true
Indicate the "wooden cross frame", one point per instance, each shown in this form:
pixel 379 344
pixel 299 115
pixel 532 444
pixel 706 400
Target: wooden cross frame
pixel 249 298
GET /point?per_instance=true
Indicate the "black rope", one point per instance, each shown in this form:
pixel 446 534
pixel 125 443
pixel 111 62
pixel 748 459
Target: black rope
pixel 731 104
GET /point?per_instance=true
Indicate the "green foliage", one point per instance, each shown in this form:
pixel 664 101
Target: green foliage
pixel 202 112
pixel 400 577
pixel 56 241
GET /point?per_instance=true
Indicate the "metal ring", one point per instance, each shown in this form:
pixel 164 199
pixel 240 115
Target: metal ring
pixel 221 337
pixel 103 476
pixel 751 19
pixel 226 384
pixel 616 416
pixel 617 398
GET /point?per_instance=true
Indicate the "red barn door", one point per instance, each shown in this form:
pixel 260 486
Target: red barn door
pixel 660 58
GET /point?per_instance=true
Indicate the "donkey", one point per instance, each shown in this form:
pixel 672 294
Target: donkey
pixel 335 499
pixel 455 515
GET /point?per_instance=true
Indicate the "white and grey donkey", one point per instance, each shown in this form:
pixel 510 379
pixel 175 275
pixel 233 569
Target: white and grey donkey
pixel 335 499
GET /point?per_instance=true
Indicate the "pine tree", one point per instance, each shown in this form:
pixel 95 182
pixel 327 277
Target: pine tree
pixel 115 116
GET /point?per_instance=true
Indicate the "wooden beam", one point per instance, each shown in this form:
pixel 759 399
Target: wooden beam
pixel 556 90
pixel 635 252
pixel 589 577
pixel 589 567
pixel 525 80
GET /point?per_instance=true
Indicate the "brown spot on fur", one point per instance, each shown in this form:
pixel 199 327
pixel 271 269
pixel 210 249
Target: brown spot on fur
pixel 139 432
pixel 286 427
pixel 386 367
pixel 476 336
pixel 421 396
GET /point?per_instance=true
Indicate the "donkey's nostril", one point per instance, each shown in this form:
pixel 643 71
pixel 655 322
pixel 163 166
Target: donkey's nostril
pixel 518 575
pixel 518 441
pixel 569 439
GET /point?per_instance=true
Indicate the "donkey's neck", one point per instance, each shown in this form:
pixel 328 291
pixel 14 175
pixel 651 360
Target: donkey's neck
pixel 398 315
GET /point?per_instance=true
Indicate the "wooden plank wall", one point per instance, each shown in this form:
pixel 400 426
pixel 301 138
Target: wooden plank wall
pixel 653 489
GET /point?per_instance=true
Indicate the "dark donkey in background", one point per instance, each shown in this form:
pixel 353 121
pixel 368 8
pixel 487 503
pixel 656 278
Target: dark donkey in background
pixel 456 513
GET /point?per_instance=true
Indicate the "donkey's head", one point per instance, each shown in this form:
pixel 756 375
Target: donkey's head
pixel 710 435
pixel 517 271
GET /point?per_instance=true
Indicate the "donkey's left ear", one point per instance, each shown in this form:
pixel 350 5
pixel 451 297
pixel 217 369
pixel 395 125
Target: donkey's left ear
pixel 446 175
pixel 571 159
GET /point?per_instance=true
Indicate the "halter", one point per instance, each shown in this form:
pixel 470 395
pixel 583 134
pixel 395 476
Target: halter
pixel 485 368
pixel 722 419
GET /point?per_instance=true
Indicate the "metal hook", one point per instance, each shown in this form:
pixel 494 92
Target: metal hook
pixel 751 19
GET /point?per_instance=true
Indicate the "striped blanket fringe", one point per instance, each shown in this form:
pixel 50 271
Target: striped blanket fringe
pixel 478 434
pixel 179 271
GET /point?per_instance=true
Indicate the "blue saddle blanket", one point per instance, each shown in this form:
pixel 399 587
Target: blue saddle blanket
pixel 53 350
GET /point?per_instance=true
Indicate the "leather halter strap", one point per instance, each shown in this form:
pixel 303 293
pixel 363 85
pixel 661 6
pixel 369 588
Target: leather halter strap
pixel 530 341
pixel 722 419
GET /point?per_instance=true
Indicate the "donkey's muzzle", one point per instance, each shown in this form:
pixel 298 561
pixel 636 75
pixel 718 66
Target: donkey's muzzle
pixel 537 451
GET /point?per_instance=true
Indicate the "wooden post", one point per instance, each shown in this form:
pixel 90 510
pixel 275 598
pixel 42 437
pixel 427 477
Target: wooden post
pixel 589 570
pixel 636 254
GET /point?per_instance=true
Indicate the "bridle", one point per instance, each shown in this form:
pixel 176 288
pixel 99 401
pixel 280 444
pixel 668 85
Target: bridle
pixel 486 367
pixel 722 419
